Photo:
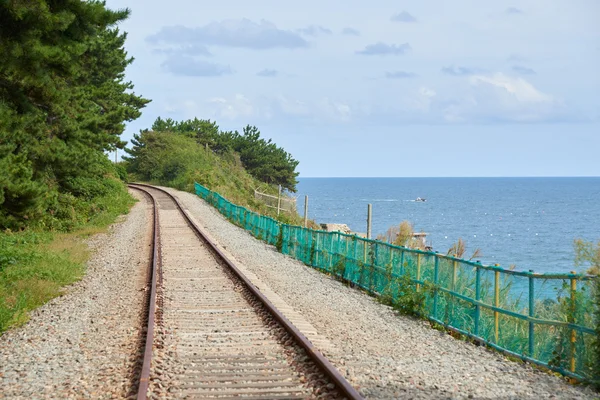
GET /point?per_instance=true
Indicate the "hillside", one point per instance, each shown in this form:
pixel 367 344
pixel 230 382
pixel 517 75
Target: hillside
pixel 177 154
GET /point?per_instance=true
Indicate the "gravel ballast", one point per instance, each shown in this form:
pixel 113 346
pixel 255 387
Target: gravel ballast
pixel 384 355
pixel 85 343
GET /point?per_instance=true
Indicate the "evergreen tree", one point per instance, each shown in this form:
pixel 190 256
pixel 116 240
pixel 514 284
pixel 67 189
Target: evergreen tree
pixel 63 103
pixel 262 158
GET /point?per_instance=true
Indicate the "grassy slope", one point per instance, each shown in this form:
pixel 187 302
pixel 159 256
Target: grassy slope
pixel 36 264
pixel 179 161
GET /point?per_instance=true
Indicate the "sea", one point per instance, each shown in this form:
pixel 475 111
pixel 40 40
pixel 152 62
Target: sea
pixel 530 223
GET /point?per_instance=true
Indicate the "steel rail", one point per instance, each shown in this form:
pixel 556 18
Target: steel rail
pixel 315 355
pixel 155 270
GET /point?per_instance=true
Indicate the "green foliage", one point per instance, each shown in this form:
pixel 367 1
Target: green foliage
pixel 402 235
pixel 311 257
pixel 35 264
pixel 588 254
pixel 401 293
pixel 279 242
pixel 263 159
pixel 63 103
pixel 176 160
pixel 408 301
pixel 339 268
pixel 121 171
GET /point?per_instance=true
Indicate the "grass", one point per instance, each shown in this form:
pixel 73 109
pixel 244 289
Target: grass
pixel 181 161
pixel 36 265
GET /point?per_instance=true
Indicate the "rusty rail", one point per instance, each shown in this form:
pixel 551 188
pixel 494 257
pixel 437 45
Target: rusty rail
pixel 311 350
pixel 155 270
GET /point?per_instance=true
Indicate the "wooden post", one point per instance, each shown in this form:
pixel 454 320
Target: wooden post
pixel 294 243
pixel 369 215
pixel 496 304
pixel 572 320
pixel 306 211
pixel 279 200
pixel 454 268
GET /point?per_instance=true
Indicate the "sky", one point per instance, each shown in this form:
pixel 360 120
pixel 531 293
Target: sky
pixel 381 88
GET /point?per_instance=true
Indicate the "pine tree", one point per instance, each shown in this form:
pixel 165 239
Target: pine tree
pixel 63 103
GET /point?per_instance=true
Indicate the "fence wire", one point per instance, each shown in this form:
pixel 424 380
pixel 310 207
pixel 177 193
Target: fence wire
pixel 284 203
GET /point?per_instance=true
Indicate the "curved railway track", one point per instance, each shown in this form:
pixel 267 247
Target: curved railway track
pixel 212 334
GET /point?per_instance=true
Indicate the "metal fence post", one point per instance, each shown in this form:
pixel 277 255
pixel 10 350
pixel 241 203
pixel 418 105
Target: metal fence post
pixel 572 320
pixel 418 271
pixel 436 273
pixel 496 304
pixel 402 270
pixel 317 250
pixel 477 298
pixel 331 244
pixel 531 312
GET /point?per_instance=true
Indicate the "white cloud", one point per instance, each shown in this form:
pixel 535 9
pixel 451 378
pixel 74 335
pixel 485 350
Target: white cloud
pixel 292 107
pixel 382 49
pixel 522 90
pixel 315 30
pixel 499 97
pixel 495 98
pixel 238 106
pixel 242 33
pixel 334 110
pixel 423 99
pixel 426 92
pixel 188 66
pixel 241 107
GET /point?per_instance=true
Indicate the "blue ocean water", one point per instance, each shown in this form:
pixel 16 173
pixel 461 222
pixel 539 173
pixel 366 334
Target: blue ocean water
pixel 528 222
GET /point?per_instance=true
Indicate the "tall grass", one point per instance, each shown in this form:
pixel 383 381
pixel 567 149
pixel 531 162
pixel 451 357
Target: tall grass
pixel 36 264
pixel 444 289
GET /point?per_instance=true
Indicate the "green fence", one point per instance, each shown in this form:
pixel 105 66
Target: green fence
pixel 547 319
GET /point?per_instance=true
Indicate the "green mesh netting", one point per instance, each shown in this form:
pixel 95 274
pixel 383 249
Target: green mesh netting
pixel 544 318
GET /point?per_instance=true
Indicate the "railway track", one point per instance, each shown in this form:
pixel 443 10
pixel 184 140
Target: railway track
pixel 212 334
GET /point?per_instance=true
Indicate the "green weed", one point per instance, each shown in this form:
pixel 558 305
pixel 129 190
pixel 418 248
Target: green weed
pixel 35 265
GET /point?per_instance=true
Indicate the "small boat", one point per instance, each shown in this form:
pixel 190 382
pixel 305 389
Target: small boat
pixel 420 199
